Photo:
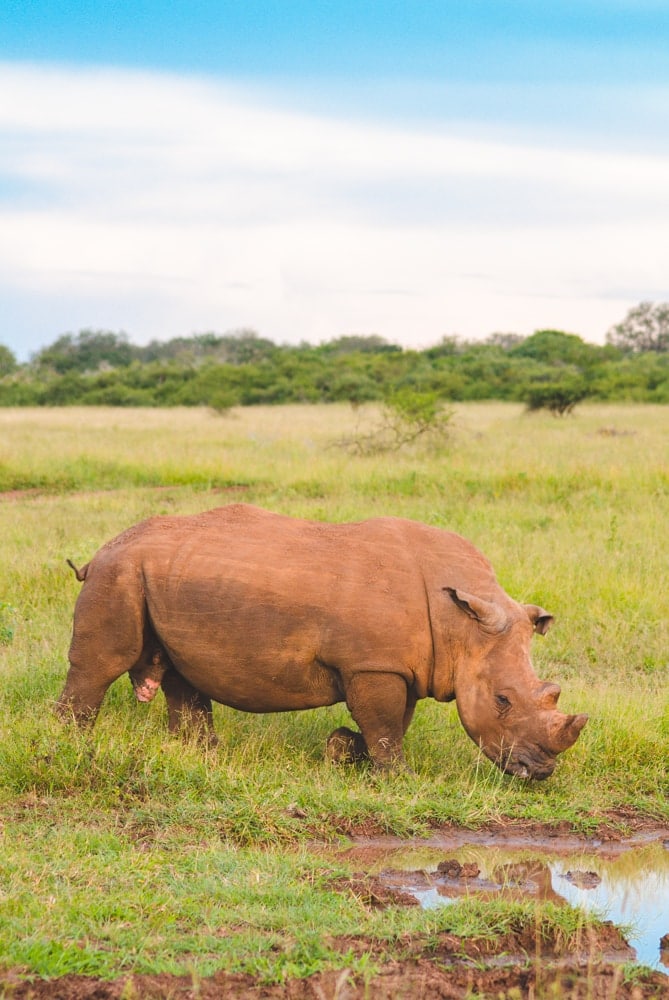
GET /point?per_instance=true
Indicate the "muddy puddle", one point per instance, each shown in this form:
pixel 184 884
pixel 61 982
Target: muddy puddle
pixel 626 882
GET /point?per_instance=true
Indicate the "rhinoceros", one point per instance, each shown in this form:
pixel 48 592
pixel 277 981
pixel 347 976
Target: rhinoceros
pixel 268 613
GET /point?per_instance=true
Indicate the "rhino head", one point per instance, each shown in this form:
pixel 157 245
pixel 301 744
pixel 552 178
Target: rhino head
pixel 502 704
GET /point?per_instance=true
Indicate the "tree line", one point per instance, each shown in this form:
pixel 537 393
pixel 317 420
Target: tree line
pixel 549 368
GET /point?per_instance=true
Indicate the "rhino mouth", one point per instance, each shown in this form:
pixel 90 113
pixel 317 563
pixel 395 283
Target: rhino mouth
pixel 525 764
pixel 527 769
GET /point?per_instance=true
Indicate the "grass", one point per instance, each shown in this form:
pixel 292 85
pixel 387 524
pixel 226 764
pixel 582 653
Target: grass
pixel 138 853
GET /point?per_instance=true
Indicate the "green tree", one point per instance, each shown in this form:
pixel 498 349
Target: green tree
pixel 448 347
pixel 242 347
pixel 559 396
pixel 354 343
pixel 645 328
pixel 187 350
pixel 8 363
pixel 87 352
pixel 505 340
pixel 554 347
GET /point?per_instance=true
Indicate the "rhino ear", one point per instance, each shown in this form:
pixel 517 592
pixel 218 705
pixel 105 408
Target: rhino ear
pixel 490 616
pixel 542 620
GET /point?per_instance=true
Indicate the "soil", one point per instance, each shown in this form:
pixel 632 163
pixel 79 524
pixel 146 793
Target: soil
pixel 516 966
pixel 449 969
pixel 616 830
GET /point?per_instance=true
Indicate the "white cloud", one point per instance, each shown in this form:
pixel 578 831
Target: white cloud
pixel 164 205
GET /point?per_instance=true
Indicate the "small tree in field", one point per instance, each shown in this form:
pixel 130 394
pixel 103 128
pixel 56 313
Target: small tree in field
pixel 559 397
pixel 406 415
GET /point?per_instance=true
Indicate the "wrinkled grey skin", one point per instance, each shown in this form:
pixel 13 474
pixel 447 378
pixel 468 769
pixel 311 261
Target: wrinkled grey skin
pixel 267 613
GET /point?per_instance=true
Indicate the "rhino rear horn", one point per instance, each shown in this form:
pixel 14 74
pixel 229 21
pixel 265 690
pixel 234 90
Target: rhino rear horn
pixel 490 616
pixel 548 695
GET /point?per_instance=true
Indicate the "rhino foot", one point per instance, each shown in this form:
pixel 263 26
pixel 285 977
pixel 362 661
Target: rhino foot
pixel 345 746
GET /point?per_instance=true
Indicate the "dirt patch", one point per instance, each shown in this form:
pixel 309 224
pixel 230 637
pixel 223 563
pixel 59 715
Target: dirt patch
pixel 450 969
pixel 616 832
pixel 615 827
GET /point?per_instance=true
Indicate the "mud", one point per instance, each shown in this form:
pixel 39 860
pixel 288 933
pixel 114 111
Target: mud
pixel 441 972
pixel 540 863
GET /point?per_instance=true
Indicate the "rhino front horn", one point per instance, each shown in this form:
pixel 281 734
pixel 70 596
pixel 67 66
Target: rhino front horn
pixel 569 731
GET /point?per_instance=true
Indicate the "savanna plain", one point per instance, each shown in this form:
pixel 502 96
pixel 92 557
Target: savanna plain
pixel 133 864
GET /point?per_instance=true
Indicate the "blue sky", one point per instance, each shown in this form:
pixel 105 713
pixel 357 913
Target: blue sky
pixel 311 170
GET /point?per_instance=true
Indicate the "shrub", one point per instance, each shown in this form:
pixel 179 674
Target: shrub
pixel 406 416
pixel 559 397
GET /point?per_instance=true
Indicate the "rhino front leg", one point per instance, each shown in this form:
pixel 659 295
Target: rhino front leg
pixel 381 706
pixel 345 746
pixel 188 710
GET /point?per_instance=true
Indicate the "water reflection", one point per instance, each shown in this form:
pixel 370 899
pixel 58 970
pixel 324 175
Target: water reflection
pixel 634 890
pixel 630 889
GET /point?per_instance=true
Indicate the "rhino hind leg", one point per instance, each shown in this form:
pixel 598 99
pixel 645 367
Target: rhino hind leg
pixel 188 710
pixel 96 661
pixel 81 697
pixel 108 640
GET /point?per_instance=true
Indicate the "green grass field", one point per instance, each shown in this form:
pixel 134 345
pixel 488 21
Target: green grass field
pixel 125 850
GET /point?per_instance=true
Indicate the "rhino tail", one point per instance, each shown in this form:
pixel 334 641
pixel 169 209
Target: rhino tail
pixel 79 573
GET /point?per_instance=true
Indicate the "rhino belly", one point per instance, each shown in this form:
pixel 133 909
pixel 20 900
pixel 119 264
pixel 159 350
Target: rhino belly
pixel 254 685
pixel 254 656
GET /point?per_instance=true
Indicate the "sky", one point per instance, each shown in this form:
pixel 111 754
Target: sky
pixel 311 169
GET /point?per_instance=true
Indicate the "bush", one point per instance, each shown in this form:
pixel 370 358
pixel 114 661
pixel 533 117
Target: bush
pixel 406 416
pixel 558 397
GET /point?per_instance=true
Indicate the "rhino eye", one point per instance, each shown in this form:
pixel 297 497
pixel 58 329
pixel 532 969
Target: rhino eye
pixel 502 702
